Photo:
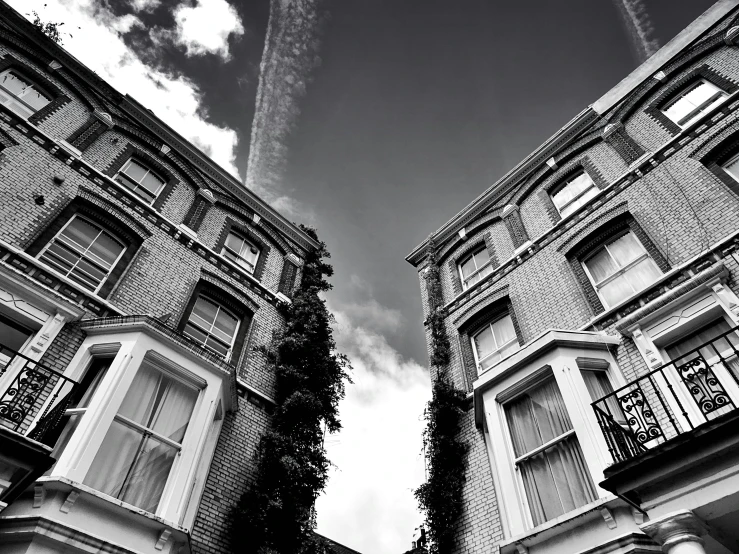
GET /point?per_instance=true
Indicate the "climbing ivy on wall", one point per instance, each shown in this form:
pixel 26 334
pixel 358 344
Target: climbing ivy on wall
pixel 440 497
pixel 275 515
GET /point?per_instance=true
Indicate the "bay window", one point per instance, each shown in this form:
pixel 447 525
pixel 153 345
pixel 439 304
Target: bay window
pixel 693 101
pixel 20 95
pixel 621 268
pixel 548 458
pixel 136 456
pixel 573 193
pixel 494 342
pixel 141 180
pixel 241 251
pixel 84 252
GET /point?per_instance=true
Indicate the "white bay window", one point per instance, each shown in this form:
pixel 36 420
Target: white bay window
pixel 141 422
pixel 549 460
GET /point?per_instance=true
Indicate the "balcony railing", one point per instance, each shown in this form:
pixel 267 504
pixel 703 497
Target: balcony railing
pixel 33 397
pixel 676 398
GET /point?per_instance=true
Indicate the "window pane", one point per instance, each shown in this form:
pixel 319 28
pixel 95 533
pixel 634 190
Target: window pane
pixel 732 168
pixel 580 201
pixel 481 258
pixel 149 474
pixel 557 481
pixel 468 267
pixel 643 274
pixel 152 183
pixel 134 171
pixel 81 232
pixel 114 459
pixel 484 343
pixel 226 323
pixel 601 265
pixel 537 417
pixel 487 270
pixel 702 93
pixel 615 291
pixel 504 331
pixel 234 242
pixel 195 333
pixel 626 249
pixel 217 345
pixel 13 83
pixel 13 335
pixel 205 310
pixel 106 249
pixel 34 98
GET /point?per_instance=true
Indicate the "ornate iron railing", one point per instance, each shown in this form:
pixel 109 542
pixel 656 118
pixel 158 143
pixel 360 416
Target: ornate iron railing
pixel 676 398
pixel 26 388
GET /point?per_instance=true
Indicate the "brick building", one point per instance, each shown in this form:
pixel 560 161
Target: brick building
pixel 590 299
pixel 137 280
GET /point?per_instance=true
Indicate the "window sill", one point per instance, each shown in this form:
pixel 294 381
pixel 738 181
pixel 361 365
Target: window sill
pixel 559 525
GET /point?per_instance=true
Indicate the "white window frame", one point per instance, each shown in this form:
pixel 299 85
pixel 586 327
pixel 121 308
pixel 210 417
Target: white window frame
pixel 32 87
pixel 102 230
pixel 477 271
pixel 718 97
pixel 489 325
pixel 137 185
pixel 239 322
pixel 240 260
pixel 561 365
pixel 724 166
pixel 567 182
pixel 620 271
pixel 133 350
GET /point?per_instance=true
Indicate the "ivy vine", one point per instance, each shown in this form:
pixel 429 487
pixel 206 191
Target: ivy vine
pixel 275 515
pixel 440 497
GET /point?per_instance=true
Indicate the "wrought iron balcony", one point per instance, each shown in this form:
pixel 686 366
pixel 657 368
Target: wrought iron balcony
pixel 676 398
pixel 33 397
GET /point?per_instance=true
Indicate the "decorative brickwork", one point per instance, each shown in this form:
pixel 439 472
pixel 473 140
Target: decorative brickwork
pixel 514 223
pixel 626 147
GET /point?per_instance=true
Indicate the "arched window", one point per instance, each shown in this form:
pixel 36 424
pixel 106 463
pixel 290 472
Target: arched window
pixel 84 252
pixel 494 341
pixel 574 192
pixel 693 101
pixel 213 325
pixel 20 95
pixel 241 251
pixel 474 267
pixel 141 180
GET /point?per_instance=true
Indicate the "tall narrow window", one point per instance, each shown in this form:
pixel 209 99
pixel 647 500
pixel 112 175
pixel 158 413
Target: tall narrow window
pixel 79 402
pixel 212 325
pixel 548 456
pixel 139 449
pixel 141 180
pixel 694 101
pixel 621 268
pixel 20 95
pixel 241 251
pixel 494 342
pixel 475 267
pixel 573 193
pixel 84 252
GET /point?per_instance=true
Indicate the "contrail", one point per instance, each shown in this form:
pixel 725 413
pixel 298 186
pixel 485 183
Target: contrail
pixel 290 54
pixel 639 26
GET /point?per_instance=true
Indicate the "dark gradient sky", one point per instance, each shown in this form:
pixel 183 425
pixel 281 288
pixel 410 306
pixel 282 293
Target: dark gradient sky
pixel 420 105
pixel 417 107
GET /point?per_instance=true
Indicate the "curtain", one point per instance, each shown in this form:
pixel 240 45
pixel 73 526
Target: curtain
pixel 132 465
pixel 555 480
pixel 598 387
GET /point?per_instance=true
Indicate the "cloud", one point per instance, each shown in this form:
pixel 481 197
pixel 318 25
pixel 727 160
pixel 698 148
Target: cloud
pixel 378 453
pixel 145 5
pixel 204 28
pixel 290 54
pixel 172 97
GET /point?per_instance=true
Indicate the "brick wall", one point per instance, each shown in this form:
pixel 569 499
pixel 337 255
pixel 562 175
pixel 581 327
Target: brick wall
pixel 682 207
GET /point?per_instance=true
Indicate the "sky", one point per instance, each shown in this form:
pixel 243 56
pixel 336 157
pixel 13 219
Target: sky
pixel 400 113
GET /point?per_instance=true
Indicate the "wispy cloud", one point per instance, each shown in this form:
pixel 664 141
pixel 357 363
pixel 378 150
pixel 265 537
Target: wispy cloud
pixel 173 98
pixel 145 5
pixel 203 28
pixel 290 54
pixel 639 26
pixel 377 454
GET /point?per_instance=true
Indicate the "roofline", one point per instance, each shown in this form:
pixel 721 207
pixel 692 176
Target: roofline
pixel 135 108
pixel 664 55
